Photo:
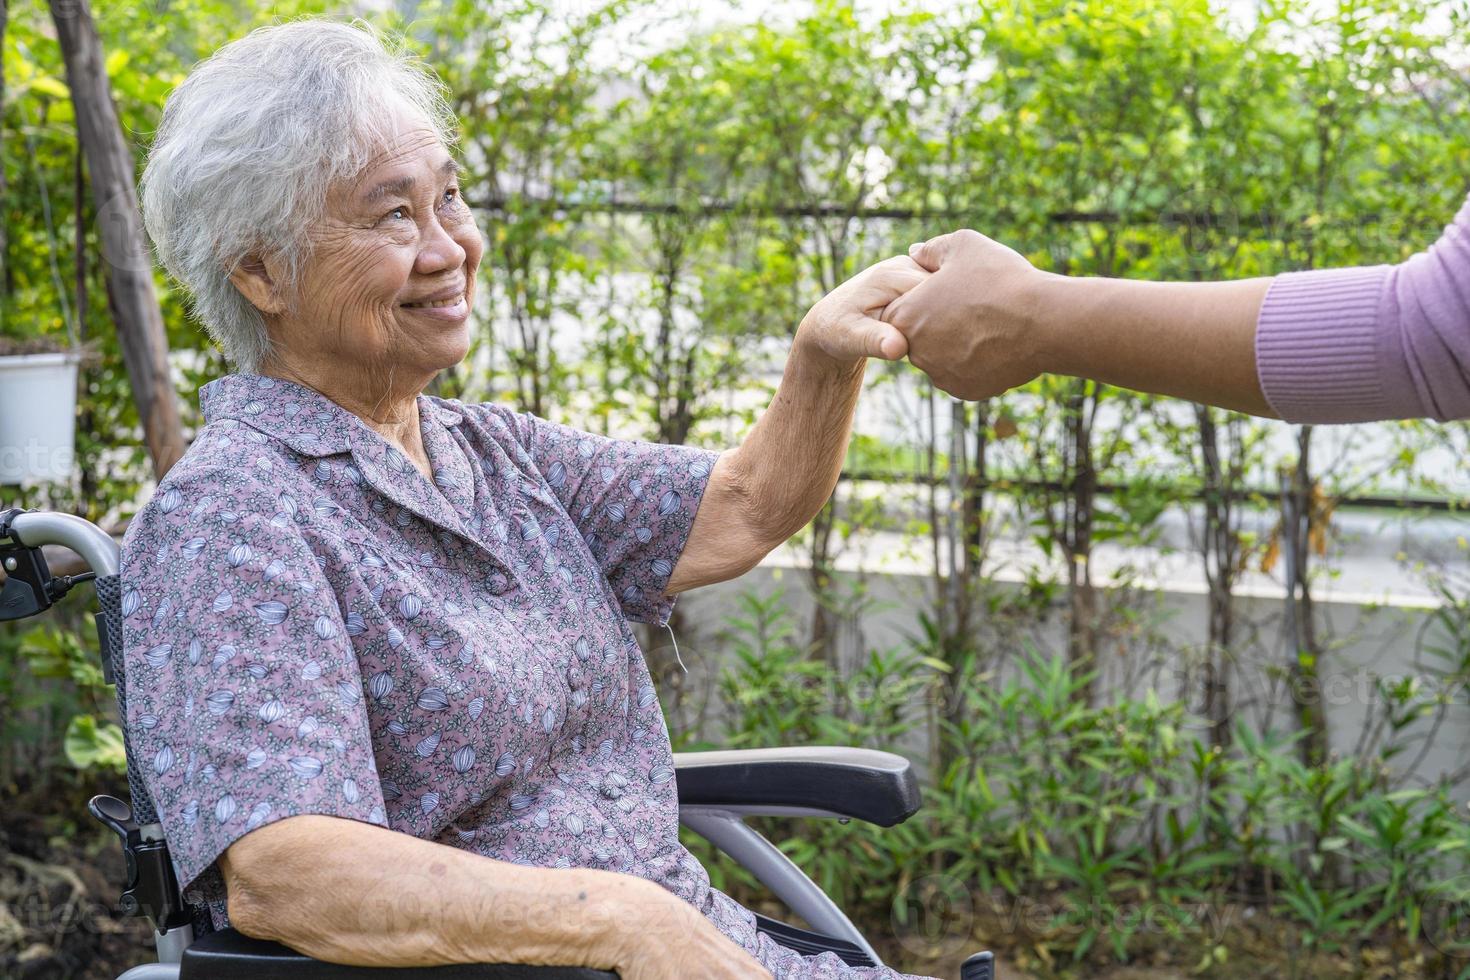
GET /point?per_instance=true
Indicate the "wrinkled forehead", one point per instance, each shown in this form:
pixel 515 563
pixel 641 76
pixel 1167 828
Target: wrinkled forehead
pixel 408 153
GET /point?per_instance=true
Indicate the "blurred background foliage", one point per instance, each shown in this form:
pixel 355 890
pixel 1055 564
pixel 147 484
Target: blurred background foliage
pixel 663 199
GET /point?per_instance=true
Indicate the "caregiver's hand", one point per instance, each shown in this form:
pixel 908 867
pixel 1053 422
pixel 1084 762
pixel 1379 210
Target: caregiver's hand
pixel 987 320
pixel 845 324
pixel 972 326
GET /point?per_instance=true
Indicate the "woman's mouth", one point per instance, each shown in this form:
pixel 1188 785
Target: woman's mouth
pixel 440 309
pixel 435 304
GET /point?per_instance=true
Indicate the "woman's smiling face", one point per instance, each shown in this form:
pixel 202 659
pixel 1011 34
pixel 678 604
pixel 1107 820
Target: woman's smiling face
pixel 390 278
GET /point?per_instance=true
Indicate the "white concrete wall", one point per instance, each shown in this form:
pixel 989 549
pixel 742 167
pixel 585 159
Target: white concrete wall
pixel 1375 615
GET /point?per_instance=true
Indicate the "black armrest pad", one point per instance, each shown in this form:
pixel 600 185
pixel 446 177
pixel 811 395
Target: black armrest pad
pixel 228 955
pixel 879 787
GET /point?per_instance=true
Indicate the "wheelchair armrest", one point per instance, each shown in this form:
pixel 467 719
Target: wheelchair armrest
pixel 228 955
pixel 878 787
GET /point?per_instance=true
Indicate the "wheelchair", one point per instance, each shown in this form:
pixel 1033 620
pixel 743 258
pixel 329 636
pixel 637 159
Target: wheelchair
pixel 717 790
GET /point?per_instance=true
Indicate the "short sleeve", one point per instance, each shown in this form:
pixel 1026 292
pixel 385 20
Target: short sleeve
pixel 245 703
pixel 633 503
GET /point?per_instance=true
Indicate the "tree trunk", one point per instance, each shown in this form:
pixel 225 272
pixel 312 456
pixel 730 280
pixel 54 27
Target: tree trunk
pixel 1082 632
pixel 968 479
pixel 1220 548
pixel 91 506
pixel 4 236
pixel 1300 521
pixel 957 584
pixel 129 274
pixel 821 638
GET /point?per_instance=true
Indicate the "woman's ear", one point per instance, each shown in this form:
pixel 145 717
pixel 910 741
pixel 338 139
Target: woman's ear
pixel 259 280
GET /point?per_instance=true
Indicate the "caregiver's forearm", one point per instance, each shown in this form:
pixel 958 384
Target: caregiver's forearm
pixel 350 892
pixel 1189 340
pixel 789 462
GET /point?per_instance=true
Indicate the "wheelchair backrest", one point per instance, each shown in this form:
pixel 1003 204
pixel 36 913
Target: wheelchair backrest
pixel 151 890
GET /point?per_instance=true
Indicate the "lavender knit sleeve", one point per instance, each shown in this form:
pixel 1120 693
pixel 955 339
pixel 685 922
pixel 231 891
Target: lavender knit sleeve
pixel 1373 342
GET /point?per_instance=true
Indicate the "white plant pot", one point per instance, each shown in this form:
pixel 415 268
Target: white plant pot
pixel 38 416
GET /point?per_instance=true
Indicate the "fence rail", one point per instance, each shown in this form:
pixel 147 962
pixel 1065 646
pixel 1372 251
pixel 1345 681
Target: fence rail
pixel 1265 220
pixel 1245 495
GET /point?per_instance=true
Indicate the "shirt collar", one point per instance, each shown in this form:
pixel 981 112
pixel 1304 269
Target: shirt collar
pixel 313 425
pixel 302 418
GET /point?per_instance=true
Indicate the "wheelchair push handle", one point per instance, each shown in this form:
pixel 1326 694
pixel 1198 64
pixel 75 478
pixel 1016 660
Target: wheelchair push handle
pixel 32 529
pixel 30 589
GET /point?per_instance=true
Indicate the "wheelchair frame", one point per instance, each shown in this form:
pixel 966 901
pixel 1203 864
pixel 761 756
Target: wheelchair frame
pixel 717 791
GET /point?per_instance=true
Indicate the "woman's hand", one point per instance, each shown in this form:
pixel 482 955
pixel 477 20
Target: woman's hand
pixel 972 327
pixel 845 324
pixel 667 939
pixel 775 482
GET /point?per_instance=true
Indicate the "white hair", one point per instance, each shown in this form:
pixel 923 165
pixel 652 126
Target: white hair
pixel 248 145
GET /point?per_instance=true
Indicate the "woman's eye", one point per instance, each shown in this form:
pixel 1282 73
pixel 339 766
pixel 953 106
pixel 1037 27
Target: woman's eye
pixel 399 213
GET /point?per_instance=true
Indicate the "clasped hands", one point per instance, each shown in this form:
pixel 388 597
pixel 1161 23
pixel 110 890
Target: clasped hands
pixel 964 309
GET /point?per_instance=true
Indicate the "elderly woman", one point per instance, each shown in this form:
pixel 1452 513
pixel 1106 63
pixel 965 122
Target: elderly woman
pixel 377 642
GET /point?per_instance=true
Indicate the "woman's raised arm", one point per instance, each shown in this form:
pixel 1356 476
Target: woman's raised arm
pixel 765 490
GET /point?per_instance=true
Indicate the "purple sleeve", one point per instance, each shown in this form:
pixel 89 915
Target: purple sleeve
pixel 632 502
pixel 1374 342
pixel 245 703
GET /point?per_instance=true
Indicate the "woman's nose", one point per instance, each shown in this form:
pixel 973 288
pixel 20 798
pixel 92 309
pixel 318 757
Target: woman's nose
pixel 440 250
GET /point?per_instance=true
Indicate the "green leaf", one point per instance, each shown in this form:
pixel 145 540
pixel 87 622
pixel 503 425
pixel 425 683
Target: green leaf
pixel 89 744
pixel 47 85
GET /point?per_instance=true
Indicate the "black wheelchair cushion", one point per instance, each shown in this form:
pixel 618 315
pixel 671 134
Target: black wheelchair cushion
pixel 879 787
pixel 228 955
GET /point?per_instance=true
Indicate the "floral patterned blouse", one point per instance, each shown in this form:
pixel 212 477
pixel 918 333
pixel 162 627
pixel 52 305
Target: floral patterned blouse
pixel 311 626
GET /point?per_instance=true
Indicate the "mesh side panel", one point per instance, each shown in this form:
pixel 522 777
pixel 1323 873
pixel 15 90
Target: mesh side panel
pixel 109 599
pixel 203 924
